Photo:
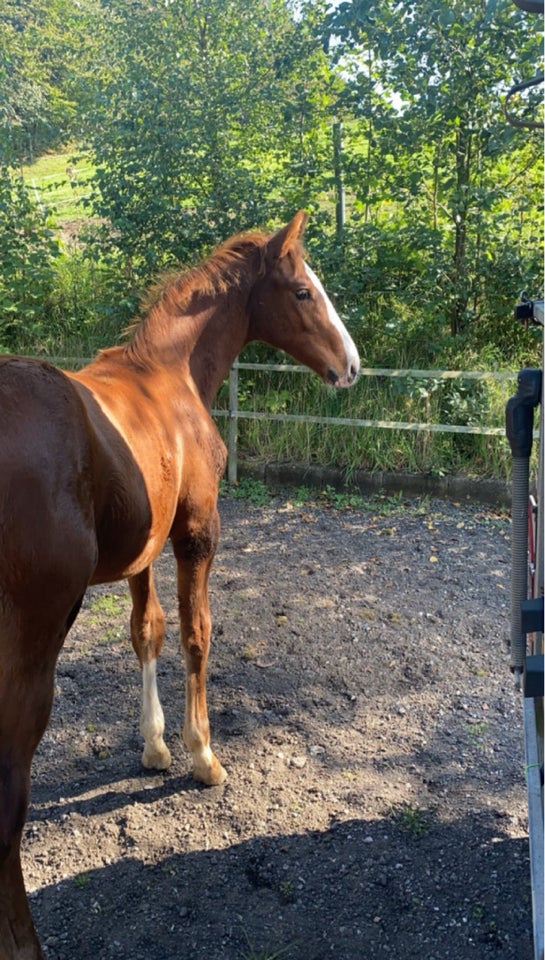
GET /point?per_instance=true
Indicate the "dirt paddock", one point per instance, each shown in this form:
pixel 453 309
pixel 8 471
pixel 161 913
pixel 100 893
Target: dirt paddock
pixel 361 702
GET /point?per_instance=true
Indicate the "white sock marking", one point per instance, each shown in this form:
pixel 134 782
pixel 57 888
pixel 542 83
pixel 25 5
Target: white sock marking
pixel 152 724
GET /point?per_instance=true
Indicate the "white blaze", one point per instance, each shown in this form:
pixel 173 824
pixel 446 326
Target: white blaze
pixel 352 357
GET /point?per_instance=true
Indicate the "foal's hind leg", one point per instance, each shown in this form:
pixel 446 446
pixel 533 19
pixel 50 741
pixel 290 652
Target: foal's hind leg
pixel 147 634
pixel 194 550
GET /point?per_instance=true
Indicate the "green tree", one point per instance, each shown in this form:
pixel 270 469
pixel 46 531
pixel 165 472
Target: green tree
pixel 46 51
pixel 214 118
pixel 427 81
pixel 28 250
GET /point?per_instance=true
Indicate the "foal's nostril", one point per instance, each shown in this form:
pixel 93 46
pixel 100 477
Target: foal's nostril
pixel 353 371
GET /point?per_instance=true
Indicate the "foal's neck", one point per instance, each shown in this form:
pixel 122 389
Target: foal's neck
pixel 221 333
pixel 199 326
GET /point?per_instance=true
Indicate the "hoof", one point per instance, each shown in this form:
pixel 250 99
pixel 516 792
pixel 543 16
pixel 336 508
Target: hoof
pixel 210 773
pixel 156 758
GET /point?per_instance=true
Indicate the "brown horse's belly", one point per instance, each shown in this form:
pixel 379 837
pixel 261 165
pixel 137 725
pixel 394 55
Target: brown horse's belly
pixel 128 559
pixel 136 482
pixel 132 526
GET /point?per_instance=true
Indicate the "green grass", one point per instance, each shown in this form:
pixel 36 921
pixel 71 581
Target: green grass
pixel 109 613
pixel 411 819
pixel 265 954
pixel 477 734
pixel 59 182
pixel 81 879
pixel 109 605
pixel 477 403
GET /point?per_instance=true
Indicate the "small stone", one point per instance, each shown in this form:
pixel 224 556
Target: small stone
pixel 298 762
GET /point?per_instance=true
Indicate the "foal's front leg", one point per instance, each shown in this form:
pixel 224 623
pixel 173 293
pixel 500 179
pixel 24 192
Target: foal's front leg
pixel 147 634
pixel 194 554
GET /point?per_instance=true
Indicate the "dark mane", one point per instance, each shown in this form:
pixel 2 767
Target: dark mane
pixel 172 292
pixel 213 276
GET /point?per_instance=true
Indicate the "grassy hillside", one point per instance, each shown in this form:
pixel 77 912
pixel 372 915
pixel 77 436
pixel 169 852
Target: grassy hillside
pixel 59 183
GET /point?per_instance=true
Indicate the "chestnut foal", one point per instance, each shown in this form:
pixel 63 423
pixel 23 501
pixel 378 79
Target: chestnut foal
pixel 98 468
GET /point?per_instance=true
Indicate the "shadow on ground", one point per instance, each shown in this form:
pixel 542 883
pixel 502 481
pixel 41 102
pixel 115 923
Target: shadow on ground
pixel 335 893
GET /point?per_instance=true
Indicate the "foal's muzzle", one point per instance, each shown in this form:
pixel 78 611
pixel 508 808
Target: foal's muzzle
pixel 348 378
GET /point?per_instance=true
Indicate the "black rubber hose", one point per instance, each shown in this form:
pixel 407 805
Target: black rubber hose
pixel 520 482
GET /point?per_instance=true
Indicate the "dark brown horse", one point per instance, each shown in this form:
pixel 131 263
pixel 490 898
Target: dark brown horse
pixel 99 468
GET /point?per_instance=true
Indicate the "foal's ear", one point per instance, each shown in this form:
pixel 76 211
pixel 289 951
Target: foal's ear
pixel 282 242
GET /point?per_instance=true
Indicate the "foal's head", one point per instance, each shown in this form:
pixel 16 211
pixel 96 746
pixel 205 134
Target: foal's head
pixel 290 309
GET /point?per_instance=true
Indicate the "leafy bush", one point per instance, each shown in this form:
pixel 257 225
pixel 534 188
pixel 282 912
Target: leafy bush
pixel 28 249
pixel 84 313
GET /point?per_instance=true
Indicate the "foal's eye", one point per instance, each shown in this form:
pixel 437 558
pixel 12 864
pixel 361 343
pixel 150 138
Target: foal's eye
pixel 303 294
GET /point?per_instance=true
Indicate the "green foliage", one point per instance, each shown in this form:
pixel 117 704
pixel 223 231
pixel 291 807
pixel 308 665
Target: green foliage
pixel 433 166
pixel 203 128
pixel 27 253
pixel 82 317
pixel 255 491
pixel 54 299
pixel 267 953
pixel 340 501
pixel 376 399
pixel 48 56
pixel 411 819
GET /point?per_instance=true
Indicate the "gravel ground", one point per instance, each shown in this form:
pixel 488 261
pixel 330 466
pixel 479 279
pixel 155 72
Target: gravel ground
pixel 361 701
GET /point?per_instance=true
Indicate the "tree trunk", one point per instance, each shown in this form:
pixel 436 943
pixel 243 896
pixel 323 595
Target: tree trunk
pixel 459 278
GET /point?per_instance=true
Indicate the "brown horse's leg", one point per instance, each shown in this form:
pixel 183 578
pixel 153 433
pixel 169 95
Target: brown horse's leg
pixel 26 695
pixel 18 939
pixel 147 633
pixel 194 554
